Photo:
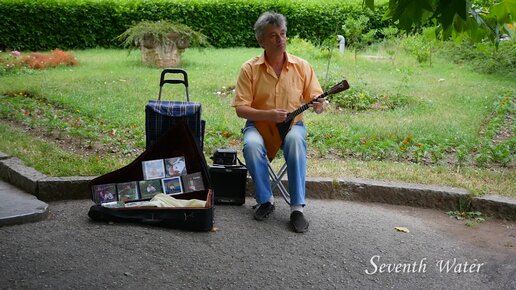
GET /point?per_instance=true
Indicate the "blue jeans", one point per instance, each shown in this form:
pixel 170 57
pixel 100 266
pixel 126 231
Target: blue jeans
pixel 294 151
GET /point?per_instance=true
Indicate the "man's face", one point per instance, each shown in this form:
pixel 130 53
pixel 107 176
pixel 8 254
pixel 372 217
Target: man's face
pixel 274 39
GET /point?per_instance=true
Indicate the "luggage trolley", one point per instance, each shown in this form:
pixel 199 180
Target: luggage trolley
pixel 162 115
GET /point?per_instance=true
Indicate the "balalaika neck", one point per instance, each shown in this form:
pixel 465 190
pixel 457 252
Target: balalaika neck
pixel 304 107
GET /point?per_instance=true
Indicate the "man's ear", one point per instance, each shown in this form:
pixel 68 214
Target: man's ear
pixel 259 40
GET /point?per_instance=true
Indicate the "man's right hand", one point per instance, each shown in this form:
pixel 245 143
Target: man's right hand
pixel 278 115
pixel 252 114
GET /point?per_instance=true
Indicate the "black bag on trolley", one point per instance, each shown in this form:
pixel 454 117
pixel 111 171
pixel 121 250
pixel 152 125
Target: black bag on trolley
pixel 161 115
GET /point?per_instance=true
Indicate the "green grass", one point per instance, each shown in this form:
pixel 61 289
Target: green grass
pixel 49 159
pixel 447 107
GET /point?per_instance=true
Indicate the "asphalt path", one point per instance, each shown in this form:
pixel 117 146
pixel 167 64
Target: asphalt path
pixel 350 245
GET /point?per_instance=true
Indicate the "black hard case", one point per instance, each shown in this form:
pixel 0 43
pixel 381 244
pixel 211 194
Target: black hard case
pixel 177 141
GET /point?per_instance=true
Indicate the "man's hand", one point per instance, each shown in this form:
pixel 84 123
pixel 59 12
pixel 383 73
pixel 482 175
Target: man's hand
pixel 278 115
pixel 252 114
pixel 319 105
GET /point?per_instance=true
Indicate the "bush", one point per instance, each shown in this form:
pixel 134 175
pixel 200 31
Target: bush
pixel 356 99
pixel 38 60
pixel 15 61
pixel 483 57
pixel 91 23
pixel 359 99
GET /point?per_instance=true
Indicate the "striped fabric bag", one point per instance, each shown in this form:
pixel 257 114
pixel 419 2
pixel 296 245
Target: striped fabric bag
pixel 161 115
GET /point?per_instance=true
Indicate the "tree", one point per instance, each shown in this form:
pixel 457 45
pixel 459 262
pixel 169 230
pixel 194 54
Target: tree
pixel 455 18
pixel 354 31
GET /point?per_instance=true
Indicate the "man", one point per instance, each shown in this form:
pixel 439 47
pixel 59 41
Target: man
pixel 268 88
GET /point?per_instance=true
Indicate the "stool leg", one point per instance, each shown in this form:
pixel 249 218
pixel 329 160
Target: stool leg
pixel 276 181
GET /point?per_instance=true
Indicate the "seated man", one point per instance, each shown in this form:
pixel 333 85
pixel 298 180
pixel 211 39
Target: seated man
pixel 270 86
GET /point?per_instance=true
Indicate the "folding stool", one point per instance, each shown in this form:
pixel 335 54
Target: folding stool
pixel 276 177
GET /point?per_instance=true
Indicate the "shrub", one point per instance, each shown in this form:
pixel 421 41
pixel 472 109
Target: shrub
pixel 57 57
pixel 92 23
pixel 9 62
pixel 356 99
pixel 483 56
pixel 14 61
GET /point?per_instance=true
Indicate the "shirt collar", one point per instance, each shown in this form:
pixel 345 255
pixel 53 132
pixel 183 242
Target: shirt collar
pixel 290 59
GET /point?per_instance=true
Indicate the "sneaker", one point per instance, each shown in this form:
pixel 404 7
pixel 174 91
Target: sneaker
pixel 298 222
pixel 263 211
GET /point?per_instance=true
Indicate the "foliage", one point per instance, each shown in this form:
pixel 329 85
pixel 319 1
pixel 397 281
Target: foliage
pixel 354 29
pixel 300 46
pixel 489 22
pixel 471 217
pixel 159 31
pixel 500 151
pixel 356 99
pixel 92 23
pixel 482 56
pixel 15 60
pixel 47 24
pixel 420 45
pixel 9 62
pixel 390 40
pixel 454 18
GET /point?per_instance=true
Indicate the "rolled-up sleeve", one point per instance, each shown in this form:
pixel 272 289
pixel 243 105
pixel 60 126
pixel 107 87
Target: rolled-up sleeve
pixel 243 89
pixel 312 87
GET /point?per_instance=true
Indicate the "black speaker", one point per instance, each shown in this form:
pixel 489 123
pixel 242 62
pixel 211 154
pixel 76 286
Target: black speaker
pixel 228 184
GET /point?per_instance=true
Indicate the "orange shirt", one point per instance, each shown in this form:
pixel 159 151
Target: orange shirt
pixel 260 88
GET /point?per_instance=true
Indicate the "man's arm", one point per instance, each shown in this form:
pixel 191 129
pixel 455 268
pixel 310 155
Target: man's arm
pixel 252 114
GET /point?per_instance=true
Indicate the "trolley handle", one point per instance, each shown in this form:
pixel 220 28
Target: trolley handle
pixel 163 80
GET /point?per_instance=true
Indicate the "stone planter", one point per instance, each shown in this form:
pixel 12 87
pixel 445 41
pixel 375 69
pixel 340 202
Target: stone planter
pixel 156 53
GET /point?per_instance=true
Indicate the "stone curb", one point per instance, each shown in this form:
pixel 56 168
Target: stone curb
pixel 19 207
pixel 44 187
pixel 48 188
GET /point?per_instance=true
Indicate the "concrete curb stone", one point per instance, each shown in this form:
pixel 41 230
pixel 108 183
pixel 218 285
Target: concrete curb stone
pixel 16 173
pixel 19 207
pixel 366 190
pixel 499 206
pixel 44 187
pixel 48 188
pixel 388 192
pixel 59 188
pixel 4 156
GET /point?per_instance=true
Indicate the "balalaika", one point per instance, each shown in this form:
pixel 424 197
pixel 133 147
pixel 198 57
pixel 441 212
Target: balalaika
pixel 274 133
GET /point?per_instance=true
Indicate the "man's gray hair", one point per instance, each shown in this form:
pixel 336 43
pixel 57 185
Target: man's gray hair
pixel 269 17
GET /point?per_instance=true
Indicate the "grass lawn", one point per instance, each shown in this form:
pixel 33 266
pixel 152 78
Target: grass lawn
pixel 444 127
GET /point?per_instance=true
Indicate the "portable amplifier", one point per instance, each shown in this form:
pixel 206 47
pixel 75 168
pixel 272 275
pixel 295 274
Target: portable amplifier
pixel 228 184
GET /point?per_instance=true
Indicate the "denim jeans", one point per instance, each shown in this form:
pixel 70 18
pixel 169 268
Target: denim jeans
pixel 294 151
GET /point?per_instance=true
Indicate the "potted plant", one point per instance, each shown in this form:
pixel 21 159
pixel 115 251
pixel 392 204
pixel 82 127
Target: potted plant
pixel 162 42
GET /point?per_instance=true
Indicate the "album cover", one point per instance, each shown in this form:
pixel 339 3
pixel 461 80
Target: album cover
pixel 175 166
pixel 149 188
pixel 172 185
pixel 193 182
pixel 104 193
pixel 153 169
pixel 127 191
